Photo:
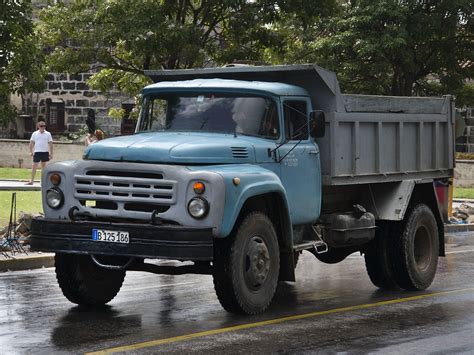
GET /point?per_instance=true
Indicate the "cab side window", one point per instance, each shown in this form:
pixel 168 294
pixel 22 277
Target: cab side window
pixel 296 118
pixel 269 127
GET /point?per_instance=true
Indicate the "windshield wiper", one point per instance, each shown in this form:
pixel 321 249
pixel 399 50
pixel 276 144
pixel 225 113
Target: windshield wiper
pixel 204 122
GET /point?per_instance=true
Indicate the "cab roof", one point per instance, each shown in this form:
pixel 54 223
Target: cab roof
pixel 274 88
pixel 321 84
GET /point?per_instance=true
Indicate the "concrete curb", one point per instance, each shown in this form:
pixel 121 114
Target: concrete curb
pixel 463 200
pixel 456 228
pixel 26 262
pixel 19 185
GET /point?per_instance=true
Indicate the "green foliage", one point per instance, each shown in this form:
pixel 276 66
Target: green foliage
pixel 20 55
pixel 77 135
pixel 116 113
pixel 386 46
pixel 127 82
pixel 121 39
pixel 7 111
pixel 397 47
pixel 465 95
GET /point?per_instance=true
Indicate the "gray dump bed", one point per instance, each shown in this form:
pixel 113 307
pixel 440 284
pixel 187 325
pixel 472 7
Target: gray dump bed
pixel 368 139
pixel 377 138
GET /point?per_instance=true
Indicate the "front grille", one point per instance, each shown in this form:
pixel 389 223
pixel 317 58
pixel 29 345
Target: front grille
pixel 131 191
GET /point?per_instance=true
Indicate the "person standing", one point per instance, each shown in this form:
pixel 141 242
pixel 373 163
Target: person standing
pixel 41 148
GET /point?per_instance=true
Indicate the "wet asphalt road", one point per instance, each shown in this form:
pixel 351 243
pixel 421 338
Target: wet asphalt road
pixel 331 308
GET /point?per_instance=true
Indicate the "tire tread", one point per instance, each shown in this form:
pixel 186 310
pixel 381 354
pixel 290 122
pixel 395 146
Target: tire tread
pixel 225 280
pixel 74 285
pixel 404 272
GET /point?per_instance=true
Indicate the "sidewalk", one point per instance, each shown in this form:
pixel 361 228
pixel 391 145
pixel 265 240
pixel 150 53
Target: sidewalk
pixel 21 261
pixel 16 185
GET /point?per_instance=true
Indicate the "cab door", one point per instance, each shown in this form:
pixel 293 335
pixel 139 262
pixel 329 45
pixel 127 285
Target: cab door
pixel 300 162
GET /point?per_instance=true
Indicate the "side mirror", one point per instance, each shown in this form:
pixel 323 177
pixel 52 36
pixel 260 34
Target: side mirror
pixel 317 124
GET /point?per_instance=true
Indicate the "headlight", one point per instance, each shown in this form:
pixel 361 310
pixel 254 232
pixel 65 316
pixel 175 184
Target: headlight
pixel 54 198
pixel 198 207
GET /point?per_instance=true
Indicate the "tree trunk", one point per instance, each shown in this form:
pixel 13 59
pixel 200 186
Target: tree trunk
pixel 402 82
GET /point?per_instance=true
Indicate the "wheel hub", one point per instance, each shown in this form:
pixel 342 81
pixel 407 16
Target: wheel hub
pixel 257 263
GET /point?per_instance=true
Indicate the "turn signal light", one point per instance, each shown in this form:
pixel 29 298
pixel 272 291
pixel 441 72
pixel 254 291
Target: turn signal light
pixel 55 179
pixel 199 187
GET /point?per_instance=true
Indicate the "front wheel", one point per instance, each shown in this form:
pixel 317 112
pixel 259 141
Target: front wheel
pixel 246 266
pixel 417 250
pixel 85 283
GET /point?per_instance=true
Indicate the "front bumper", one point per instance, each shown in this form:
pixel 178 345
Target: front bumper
pixel 146 240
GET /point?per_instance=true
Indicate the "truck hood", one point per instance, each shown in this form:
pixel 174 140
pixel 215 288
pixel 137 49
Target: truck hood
pixel 161 147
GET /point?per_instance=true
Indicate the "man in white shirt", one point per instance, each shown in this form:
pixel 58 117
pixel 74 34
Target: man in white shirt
pixel 41 148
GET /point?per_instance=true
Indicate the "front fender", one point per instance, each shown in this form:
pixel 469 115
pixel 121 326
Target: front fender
pixel 254 181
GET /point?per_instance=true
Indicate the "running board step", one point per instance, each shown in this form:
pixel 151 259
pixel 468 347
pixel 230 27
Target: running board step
pixel 319 246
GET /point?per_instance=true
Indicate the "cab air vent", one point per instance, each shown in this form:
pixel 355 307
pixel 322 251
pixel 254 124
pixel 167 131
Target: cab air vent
pixel 239 152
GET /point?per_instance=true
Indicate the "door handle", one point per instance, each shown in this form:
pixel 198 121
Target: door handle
pixel 315 152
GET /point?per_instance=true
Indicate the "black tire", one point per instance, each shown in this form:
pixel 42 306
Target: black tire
pixel 417 250
pixel 378 258
pixel 84 283
pixel 246 266
pixel 296 258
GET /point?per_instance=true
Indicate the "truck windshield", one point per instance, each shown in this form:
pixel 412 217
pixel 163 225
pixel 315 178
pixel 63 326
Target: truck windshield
pixel 209 112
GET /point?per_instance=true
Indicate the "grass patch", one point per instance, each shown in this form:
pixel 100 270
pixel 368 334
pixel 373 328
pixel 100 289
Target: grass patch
pixel 463 192
pixel 464 156
pixel 19 174
pixel 26 201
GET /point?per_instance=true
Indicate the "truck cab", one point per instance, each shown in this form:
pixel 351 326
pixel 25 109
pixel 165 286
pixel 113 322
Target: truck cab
pixel 221 122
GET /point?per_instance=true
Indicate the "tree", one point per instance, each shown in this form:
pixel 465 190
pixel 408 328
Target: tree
pixel 20 56
pixel 120 39
pixel 389 46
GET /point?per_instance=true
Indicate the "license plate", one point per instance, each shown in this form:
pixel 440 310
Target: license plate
pixel 102 235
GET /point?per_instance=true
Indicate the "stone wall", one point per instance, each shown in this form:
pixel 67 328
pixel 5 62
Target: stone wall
pixel 465 126
pixel 72 98
pixel 14 153
pixel 78 98
pixel 464 173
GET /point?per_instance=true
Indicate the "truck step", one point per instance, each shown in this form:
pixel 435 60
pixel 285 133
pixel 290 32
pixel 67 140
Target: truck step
pixel 319 246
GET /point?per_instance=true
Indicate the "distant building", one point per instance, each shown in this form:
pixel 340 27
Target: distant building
pixel 65 103
pixel 465 143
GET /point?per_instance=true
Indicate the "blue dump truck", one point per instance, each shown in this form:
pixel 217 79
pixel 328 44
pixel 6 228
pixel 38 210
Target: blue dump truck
pixel 237 170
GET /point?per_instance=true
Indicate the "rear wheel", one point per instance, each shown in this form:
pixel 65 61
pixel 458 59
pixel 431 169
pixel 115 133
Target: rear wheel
pixel 378 258
pixel 84 283
pixel 417 250
pixel 246 266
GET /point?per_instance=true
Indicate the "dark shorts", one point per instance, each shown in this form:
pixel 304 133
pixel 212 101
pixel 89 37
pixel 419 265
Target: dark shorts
pixel 40 156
